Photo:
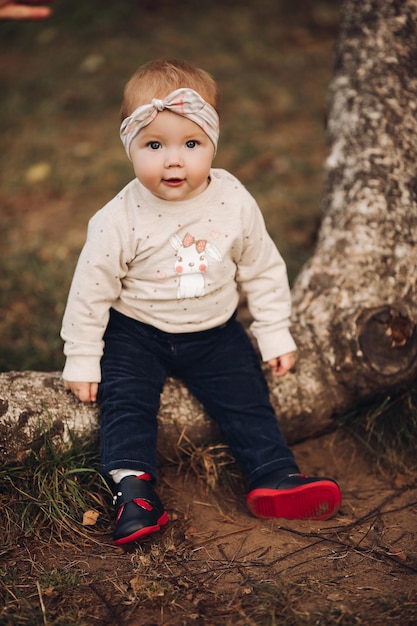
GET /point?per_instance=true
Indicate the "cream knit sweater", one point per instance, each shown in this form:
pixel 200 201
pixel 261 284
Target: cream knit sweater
pixel 179 266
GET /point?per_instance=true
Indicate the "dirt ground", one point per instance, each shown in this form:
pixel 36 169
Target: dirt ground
pixel 215 564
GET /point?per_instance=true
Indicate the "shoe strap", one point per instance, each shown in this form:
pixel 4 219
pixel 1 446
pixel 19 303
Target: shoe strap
pixel 132 488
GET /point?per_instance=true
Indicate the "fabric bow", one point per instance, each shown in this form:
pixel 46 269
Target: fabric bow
pixel 200 244
pixel 185 102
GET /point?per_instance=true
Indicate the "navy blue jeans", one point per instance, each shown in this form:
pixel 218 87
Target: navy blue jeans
pixel 219 366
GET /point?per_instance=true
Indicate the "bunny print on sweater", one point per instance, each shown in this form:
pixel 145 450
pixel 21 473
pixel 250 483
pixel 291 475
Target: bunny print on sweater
pixel 191 262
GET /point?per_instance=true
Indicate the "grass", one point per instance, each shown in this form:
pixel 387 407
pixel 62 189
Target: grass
pixel 214 463
pixel 387 428
pixel 34 297
pixel 46 496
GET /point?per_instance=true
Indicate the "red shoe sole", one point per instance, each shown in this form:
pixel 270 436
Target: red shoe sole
pixel 143 532
pixel 315 501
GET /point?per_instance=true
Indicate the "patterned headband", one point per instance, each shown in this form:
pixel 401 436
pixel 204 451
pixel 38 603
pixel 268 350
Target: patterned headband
pixel 185 102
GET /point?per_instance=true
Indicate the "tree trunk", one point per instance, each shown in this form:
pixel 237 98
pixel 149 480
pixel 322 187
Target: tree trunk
pixel 355 300
pixel 32 403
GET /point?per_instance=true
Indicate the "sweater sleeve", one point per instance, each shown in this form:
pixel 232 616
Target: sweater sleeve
pixel 95 287
pixel 262 275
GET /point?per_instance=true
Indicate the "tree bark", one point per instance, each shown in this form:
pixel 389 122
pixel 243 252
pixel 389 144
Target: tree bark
pixel 33 403
pixel 355 300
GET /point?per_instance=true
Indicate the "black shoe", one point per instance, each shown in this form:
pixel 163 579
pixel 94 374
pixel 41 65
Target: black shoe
pixel 296 497
pixel 139 511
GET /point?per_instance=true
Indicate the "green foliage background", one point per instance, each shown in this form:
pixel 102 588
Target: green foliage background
pixel 61 82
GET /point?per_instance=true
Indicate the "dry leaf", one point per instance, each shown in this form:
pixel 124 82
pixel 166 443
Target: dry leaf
pixel 90 517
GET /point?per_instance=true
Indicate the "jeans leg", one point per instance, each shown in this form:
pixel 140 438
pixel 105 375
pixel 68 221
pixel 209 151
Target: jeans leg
pixel 227 378
pixel 133 375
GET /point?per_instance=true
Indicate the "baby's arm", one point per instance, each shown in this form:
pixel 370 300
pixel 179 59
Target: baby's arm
pixel 280 365
pixel 86 392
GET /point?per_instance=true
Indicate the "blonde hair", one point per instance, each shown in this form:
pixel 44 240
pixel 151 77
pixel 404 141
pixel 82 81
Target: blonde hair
pixel 159 78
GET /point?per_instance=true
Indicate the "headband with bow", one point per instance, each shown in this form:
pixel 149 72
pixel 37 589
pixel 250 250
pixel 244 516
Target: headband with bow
pixel 185 102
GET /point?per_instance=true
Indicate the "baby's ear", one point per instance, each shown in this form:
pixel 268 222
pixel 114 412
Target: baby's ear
pixel 175 242
pixel 213 252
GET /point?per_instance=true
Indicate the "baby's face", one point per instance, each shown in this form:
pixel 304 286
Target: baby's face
pixel 172 157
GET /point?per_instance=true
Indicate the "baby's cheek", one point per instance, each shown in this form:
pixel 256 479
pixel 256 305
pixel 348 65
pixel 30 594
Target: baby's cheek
pixel 179 269
pixel 202 267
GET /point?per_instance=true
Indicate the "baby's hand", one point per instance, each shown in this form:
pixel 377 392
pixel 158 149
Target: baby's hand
pixel 86 392
pixel 282 364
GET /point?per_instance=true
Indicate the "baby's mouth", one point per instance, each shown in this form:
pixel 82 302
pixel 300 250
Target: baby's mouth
pixel 173 182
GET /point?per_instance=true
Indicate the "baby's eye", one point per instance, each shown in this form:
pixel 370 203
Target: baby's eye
pixel 154 145
pixel 192 143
